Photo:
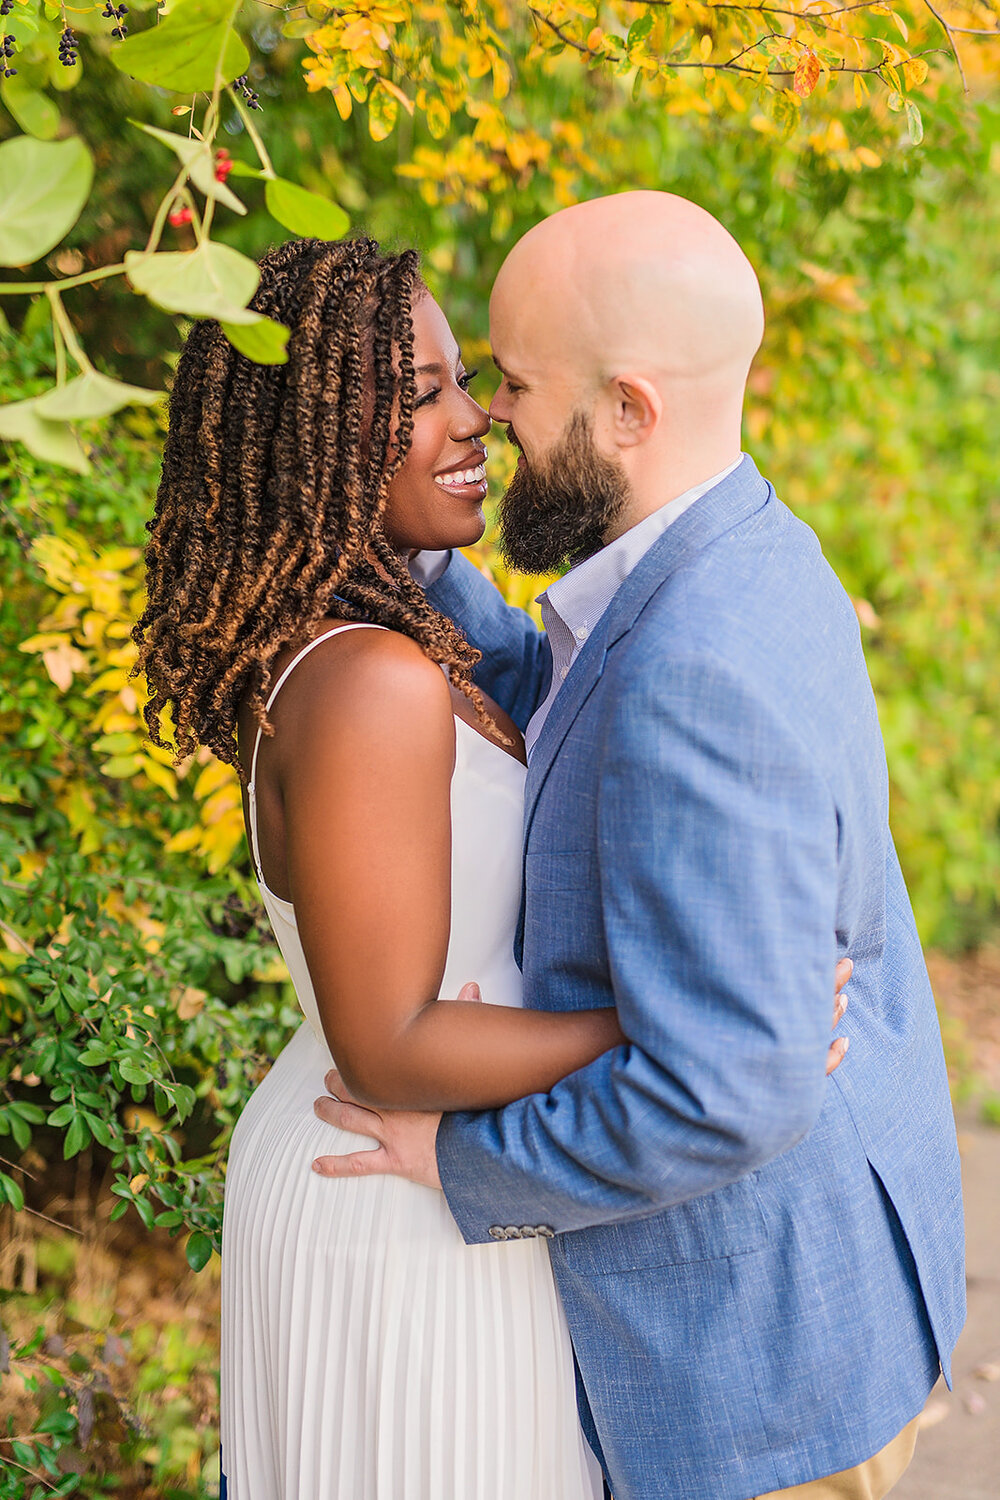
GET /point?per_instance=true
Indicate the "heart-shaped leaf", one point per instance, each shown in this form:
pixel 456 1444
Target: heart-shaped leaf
pixel 43 187
pixel 53 442
pixel 263 341
pixel 200 162
pixel 213 281
pixel 188 50
pixel 303 212
pixel 33 110
pixel 91 395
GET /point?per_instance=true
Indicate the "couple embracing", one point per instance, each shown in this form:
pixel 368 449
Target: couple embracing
pixel 616 1218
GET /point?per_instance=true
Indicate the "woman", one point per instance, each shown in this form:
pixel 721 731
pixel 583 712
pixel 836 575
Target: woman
pixel 368 1353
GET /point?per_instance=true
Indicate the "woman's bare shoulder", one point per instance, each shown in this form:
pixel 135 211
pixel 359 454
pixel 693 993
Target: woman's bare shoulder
pixel 369 684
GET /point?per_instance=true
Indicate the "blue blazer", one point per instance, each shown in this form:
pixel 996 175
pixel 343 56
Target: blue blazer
pixel 762 1268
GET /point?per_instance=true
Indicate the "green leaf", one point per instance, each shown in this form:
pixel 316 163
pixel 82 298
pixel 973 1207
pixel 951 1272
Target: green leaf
pixel 639 29
pixel 303 212
pixel 60 1422
pixel 914 124
pixel 199 159
pixel 53 442
pixel 198 1250
pixel 263 341
pixel 43 187
pixel 187 50
pixel 244 169
pixel 11 1191
pixel 33 110
pixel 91 395
pixel 213 281
pixel 77 1136
pixel 132 1072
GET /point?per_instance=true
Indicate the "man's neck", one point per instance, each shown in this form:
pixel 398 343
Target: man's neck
pixel 650 496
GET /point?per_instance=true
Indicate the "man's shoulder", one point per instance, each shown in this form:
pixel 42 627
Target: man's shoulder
pixel 762 589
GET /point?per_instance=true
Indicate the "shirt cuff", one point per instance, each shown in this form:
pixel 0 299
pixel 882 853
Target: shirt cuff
pixel 427 567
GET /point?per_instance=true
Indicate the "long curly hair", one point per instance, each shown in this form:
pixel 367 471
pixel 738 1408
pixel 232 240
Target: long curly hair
pixel 268 513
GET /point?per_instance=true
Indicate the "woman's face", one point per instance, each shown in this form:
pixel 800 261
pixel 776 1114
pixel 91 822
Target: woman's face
pixel 436 497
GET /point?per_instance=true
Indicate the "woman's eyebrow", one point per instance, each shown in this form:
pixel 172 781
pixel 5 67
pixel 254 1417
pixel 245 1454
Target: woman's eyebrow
pixel 436 369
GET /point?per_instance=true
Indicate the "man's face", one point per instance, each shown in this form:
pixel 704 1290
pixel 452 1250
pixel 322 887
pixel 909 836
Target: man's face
pixel 559 505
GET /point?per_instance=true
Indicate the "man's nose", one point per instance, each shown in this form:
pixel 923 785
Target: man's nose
pixel 498 409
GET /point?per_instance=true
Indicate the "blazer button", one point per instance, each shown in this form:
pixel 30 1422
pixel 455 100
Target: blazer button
pixel 528 1231
pixel 546 1232
pixel 496 1233
pixel 512 1232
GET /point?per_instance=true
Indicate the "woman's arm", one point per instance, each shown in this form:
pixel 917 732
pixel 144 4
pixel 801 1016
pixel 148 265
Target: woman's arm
pixel 364 753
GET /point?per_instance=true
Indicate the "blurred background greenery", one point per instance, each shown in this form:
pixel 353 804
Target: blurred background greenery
pixel 140 995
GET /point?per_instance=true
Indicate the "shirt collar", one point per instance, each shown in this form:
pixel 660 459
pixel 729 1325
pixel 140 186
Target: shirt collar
pixel 581 596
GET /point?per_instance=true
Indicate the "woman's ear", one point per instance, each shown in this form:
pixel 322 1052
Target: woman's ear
pixel 636 410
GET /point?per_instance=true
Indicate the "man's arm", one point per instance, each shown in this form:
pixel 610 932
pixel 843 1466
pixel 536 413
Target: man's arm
pixel 718 873
pixel 516 668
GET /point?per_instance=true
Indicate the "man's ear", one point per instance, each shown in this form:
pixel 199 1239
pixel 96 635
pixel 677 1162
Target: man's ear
pixel 636 411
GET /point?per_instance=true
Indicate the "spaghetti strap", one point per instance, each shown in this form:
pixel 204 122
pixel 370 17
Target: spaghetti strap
pixel 283 678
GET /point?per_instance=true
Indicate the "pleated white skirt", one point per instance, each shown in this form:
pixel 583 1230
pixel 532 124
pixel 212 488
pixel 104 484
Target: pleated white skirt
pixel 368 1353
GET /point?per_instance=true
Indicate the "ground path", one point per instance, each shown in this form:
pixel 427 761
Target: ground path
pixel 958 1451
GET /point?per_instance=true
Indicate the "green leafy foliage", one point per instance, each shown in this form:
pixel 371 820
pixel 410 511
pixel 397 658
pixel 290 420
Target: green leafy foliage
pixel 305 213
pixel 193 49
pixel 43 187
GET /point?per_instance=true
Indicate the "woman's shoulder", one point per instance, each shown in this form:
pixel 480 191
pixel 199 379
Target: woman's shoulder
pixel 361 678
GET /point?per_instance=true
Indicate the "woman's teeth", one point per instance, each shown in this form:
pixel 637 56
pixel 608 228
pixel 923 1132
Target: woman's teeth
pixel 461 477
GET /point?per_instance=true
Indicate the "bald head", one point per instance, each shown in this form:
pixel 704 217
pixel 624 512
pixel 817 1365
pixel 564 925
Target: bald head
pixel 639 314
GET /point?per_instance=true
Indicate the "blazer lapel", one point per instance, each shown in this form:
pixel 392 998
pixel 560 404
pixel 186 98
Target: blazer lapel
pixel 722 508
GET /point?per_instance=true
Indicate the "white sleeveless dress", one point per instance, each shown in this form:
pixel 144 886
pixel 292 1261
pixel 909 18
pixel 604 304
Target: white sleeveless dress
pixel 368 1353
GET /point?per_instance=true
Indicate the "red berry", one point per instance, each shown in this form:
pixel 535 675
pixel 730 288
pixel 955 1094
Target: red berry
pixel 180 216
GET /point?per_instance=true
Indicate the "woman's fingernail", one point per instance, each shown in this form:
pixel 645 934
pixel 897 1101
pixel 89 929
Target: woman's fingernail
pixel 845 1042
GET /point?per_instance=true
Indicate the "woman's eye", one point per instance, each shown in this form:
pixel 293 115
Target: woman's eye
pixel 466 380
pixel 426 398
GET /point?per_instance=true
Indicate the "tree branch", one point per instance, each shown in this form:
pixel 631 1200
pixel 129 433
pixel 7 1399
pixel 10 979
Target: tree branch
pixel 954 45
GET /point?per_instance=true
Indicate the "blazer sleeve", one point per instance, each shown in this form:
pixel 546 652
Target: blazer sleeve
pixel 516 668
pixel 717 863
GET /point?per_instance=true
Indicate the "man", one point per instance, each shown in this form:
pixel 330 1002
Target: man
pixel 761 1270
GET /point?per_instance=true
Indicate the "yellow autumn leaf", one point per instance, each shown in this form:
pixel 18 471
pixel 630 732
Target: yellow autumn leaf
pixel 62 663
pixel 215 775
pixel 185 841
pixel 914 71
pixel 190 1003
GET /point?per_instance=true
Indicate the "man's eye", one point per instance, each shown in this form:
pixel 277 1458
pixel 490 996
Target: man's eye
pixel 512 389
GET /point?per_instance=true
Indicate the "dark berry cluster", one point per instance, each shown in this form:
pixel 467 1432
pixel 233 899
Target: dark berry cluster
pixel 116 13
pixel 243 84
pixel 68 48
pixel 6 53
pixel 6 6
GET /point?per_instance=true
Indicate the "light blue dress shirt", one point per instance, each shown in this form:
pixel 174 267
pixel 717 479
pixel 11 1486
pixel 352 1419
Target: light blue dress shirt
pixel 572 606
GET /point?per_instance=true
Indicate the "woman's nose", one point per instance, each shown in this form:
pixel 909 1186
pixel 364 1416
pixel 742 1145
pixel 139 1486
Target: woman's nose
pixel 472 421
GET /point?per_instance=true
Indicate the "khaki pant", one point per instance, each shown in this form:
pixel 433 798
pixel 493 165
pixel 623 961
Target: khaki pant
pixel 868 1481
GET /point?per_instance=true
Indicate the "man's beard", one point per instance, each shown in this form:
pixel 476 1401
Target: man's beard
pixel 559 511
